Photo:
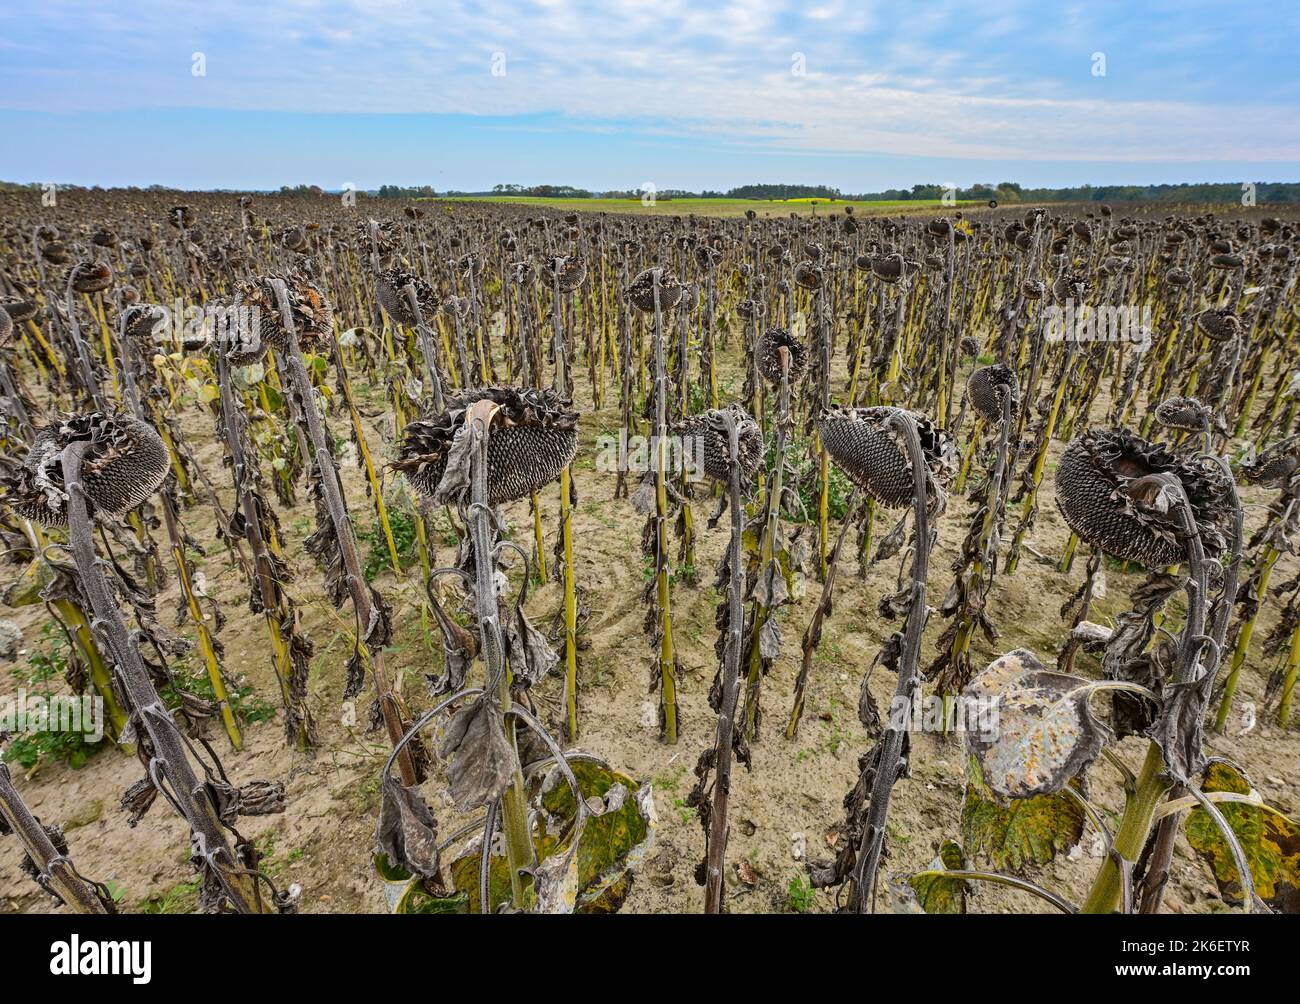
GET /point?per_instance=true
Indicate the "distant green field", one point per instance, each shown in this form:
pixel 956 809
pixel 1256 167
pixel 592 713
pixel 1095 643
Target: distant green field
pixel 717 207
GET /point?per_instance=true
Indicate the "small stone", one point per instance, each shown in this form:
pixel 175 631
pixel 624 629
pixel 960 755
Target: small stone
pixel 661 865
pixel 11 639
pixel 798 845
pixel 649 715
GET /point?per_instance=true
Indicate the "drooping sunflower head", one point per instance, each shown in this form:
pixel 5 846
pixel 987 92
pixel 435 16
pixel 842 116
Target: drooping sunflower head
pixel 705 435
pixel 19 308
pixel 390 290
pixel 533 435
pixel 988 387
pixel 867 444
pixel 310 311
pixel 570 273
pixel 90 277
pixel 125 463
pixel 809 274
pixel 1183 413
pixel 769 356
pixel 1220 324
pixel 642 290
pixel 1275 466
pixel 1104 490
pixel 141 321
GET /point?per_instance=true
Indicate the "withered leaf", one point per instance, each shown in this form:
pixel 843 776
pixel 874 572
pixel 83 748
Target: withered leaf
pixel 407 832
pixel 480 754
pixel 1045 733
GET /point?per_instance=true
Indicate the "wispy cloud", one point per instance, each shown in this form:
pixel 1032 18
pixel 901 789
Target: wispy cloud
pixel 1008 80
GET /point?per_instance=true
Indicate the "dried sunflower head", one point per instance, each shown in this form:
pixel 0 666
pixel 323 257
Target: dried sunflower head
pixel 310 309
pixel 889 267
pixel 1070 286
pixel 126 462
pixel 1102 490
pixel 90 277
pixel 56 253
pixel 19 308
pixel 569 273
pixel 707 257
pixel 1185 413
pixel 295 239
pixel 809 274
pixel 1220 323
pixel 641 290
pixel 471 264
pixel 1275 466
pixel 142 321
pixel 456 306
pixel 706 435
pixel 238 338
pixel 390 290
pixel 769 355
pixel 988 387
pixel 534 435
pixel 867 445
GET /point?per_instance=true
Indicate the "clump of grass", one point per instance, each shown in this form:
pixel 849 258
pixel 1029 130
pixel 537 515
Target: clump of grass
pixel 402 523
pixel 32 749
pixel 800 896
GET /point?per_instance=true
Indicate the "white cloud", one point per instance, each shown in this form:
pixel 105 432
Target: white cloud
pixel 673 66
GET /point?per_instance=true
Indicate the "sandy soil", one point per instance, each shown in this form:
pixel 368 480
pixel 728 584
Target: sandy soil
pixel 790 801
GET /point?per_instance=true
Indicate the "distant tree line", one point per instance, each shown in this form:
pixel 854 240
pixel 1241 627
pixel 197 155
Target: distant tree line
pixel 1265 191
pixel 1007 192
pixel 405 192
pixel 784 192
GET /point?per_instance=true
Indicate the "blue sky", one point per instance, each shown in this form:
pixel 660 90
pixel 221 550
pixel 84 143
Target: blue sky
pixel 617 93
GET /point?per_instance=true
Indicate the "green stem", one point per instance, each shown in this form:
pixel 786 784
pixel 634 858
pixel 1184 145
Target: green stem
pixel 1243 641
pixel 1139 810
